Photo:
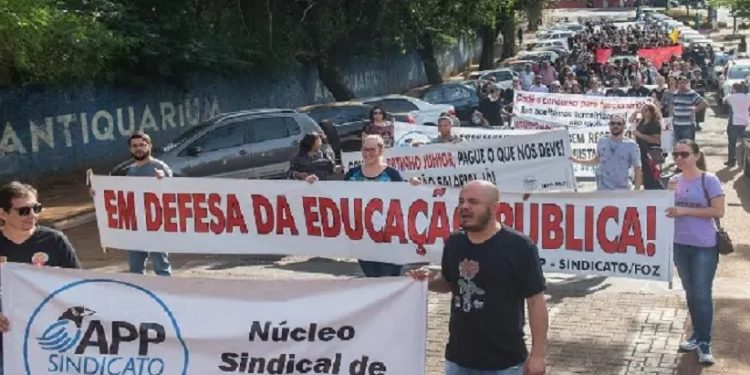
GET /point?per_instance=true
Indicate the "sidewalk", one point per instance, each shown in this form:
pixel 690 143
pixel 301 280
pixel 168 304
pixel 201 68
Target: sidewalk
pixel 66 205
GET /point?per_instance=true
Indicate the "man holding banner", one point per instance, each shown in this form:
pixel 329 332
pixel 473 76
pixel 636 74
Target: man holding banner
pixel 615 156
pixel 490 270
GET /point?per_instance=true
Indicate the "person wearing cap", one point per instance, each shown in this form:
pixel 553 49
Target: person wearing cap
pixel 685 104
pixel 615 157
pixel 22 240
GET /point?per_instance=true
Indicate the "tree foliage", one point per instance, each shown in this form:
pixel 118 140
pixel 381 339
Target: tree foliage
pixel 148 40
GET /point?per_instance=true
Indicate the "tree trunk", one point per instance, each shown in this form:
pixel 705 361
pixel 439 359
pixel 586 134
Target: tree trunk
pixel 487 59
pixel 426 53
pixel 509 32
pixel 534 14
pixel 331 77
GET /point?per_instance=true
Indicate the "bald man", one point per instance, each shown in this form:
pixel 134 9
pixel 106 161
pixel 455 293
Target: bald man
pixel 490 271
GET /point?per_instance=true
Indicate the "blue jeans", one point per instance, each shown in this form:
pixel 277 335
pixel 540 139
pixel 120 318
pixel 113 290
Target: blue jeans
pixel 697 267
pixel 379 269
pixel 735 133
pixel 684 132
pixel 137 263
pixel 454 369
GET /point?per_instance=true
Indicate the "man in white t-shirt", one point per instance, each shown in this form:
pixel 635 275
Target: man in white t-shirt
pixel 740 104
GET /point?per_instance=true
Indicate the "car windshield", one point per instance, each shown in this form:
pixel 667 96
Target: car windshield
pixel 738 72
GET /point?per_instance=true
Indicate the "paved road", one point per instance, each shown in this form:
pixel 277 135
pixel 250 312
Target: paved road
pixel 598 325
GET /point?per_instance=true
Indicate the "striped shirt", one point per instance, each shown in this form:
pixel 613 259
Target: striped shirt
pixel 684 104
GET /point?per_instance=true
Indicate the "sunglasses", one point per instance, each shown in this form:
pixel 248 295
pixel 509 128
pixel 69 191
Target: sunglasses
pixel 681 154
pixel 25 211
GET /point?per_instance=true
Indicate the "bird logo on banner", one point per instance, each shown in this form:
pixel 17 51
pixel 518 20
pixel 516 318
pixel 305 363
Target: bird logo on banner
pixel 64 333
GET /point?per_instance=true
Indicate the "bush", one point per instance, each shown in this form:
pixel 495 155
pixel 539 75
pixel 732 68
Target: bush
pixel 722 25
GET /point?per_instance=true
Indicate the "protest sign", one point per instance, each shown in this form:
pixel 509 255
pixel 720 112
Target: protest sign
pixel 616 233
pixel 82 322
pixel 574 110
pixel 583 140
pixel 529 162
pixel 406 135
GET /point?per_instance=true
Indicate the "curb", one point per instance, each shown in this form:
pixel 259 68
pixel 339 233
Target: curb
pixel 74 221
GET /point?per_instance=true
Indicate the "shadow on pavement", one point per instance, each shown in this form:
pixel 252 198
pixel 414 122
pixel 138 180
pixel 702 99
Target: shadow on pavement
pixel 577 288
pixel 742 187
pixel 322 265
pixel 725 174
pixel 729 341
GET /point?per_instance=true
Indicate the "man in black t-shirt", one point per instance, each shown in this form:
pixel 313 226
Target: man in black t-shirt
pixel 490 271
pixel 23 241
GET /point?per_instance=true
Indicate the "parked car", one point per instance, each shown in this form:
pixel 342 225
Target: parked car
pixel 554 34
pixel 735 71
pixel 503 77
pixel 539 56
pixel 542 44
pixel 720 62
pixel 572 26
pixel 246 144
pixel 461 95
pixel 416 110
pixel 349 119
pixel 515 65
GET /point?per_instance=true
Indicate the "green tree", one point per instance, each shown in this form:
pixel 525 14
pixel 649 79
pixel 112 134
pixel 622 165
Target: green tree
pixel 41 41
pixel 428 25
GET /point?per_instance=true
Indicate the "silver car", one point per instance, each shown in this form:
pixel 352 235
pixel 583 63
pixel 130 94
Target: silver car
pixel 246 144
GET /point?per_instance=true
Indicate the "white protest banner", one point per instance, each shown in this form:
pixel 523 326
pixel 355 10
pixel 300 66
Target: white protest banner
pixel 406 134
pixel 574 110
pixel 530 162
pixel 82 322
pixel 622 233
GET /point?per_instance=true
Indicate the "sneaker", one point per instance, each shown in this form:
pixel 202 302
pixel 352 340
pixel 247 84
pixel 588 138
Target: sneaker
pixel 704 354
pixel 730 163
pixel 689 345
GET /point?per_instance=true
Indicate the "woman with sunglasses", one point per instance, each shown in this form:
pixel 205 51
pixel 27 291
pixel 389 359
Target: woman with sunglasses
pixel 699 200
pixel 23 241
pixel 375 169
pixel 380 126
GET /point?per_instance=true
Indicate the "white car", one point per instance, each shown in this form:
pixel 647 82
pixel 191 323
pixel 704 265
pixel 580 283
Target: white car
pixel 572 26
pixel 554 34
pixel 735 71
pixel 416 111
pixel 503 77
pixel 555 43
pixel 539 55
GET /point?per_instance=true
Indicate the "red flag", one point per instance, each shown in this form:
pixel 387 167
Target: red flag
pixel 659 55
pixel 603 55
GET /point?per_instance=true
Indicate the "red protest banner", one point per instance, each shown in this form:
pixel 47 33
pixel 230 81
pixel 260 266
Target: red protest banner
pixel 603 55
pixel 622 234
pixel 659 55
